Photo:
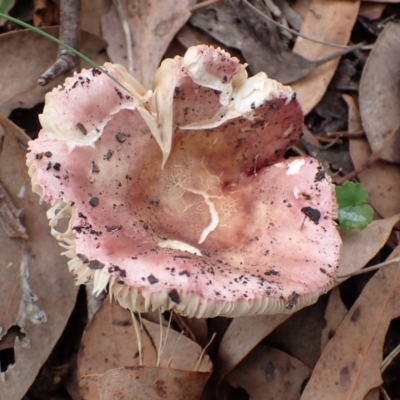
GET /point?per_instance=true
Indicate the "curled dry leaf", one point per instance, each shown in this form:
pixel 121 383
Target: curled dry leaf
pixel 380 93
pixel 381 178
pixel 268 373
pixel 110 342
pixel 153 25
pixel 144 383
pixel 19 89
pixel 330 21
pixel 350 363
pixel 36 294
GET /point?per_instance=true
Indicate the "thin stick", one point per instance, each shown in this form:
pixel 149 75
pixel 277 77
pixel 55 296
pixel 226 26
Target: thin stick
pixel 373 158
pixel 203 4
pixel 203 352
pixel 390 357
pixel 138 337
pixel 369 269
pixel 127 32
pixel 159 350
pixel 69 34
pixel 173 351
pixel 346 134
pixel 166 335
pixel 340 46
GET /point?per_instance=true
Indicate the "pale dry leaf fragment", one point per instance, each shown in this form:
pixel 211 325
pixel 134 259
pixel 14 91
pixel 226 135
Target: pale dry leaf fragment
pixel 350 363
pixel 153 25
pixel 145 382
pixel 91 13
pixel 380 93
pixel 110 342
pixel 332 22
pixel 19 89
pixel 360 246
pixel 268 373
pixel 36 295
pixel 334 314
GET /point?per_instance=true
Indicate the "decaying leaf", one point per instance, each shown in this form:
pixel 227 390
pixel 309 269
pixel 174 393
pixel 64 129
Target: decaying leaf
pixel 350 363
pixel 359 247
pixel 36 293
pixel 330 21
pixel 380 93
pixel 110 342
pixel 91 13
pixel 9 215
pixel 237 25
pixel 242 336
pixel 143 383
pixel 19 89
pixel 152 24
pixel 268 373
pixel 334 314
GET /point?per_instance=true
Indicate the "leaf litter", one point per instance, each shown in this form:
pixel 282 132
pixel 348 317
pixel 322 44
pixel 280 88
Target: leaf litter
pixel 342 342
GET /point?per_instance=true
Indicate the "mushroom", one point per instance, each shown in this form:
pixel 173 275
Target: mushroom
pixel 180 198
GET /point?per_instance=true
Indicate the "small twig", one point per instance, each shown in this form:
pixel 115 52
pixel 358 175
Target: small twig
pixel 369 269
pixel 373 158
pixel 341 46
pixel 346 134
pixel 127 32
pixel 390 357
pixel 203 4
pixel 203 352
pixel 173 351
pixel 332 143
pixel 69 34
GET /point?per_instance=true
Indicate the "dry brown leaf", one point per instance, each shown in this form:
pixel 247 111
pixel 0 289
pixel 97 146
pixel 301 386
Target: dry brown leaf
pixel 373 394
pixel 144 383
pixel 242 336
pixel 372 11
pixel 18 86
pixel 45 13
pixel 110 342
pixel 350 363
pixel 37 293
pixel 360 246
pixel 331 21
pixel 300 335
pixel 334 314
pixel 380 93
pixel 268 373
pixel 381 178
pixel 153 25
pixel 91 13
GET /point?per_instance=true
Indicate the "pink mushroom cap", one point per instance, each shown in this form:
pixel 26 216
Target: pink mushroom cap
pixel 179 197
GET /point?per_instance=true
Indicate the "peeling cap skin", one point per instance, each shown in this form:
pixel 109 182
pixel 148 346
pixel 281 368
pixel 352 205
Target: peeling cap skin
pixel 179 198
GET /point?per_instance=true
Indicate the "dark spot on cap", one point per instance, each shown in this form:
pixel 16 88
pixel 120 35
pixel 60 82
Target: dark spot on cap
pixel 185 272
pixel 152 279
pixel 292 300
pixel 312 213
pixel 48 154
pixel 319 176
pixel 96 71
pixel 57 166
pixel 323 270
pixel 113 228
pixel 294 95
pixel 48 166
pixel 253 105
pixel 145 226
pixel 108 155
pixel 205 252
pixel 39 156
pixel 94 201
pixel 174 296
pixel 81 128
pixel 83 258
pixel 95 168
pixel 121 137
pixel 95 264
pixel 272 272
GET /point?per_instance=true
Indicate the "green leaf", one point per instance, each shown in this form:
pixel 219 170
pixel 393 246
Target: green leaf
pixel 353 212
pixel 351 194
pixel 356 217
